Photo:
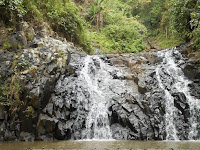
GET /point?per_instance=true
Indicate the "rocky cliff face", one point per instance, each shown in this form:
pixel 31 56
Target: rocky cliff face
pixel 28 78
pixel 45 94
pixel 144 116
pixel 138 109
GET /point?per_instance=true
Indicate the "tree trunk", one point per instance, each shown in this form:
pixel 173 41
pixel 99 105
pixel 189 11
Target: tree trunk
pixel 150 44
pixel 101 20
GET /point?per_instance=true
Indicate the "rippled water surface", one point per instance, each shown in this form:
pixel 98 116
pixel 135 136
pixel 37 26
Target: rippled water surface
pixel 101 145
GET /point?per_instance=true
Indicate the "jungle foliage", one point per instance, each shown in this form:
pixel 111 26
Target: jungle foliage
pixel 186 19
pixel 119 26
pixel 62 15
pixel 117 31
pixel 170 22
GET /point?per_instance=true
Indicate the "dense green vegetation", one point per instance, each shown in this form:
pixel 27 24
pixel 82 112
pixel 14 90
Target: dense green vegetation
pixel 10 88
pixel 118 26
pixel 186 19
pixel 170 22
pixel 117 31
pixel 166 22
pixel 62 15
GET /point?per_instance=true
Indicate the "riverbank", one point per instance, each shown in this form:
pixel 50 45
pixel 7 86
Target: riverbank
pixel 111 149
pixel 102 145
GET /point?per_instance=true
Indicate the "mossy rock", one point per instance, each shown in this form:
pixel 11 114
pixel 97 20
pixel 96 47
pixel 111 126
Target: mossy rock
pixel 6 45
pixel 18 41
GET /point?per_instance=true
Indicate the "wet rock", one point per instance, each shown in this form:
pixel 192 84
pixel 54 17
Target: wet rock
pixel 28 123
pixel 47 89
pixel 22 26
pixel 25 136
pixel 18 41
pixel 119 132
pixel 45 138
pixel 9 135
pixel 46 124
pixel 2 113
pixel 142 89
pixel 49 108
pixel 189 71
pixel 134 123
pixel 152 57
pixel 60 132
pixel 21 38
pixel 2 131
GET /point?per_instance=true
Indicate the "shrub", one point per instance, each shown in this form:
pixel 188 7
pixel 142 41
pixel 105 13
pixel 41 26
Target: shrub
pixel 195 42
pixel 29 111
pixel 126 35
pixel 10 92
pixel 23 64
pixel 11 10
pixel 181 15
pixel 6 45
pixel 125 38
pixel 65 19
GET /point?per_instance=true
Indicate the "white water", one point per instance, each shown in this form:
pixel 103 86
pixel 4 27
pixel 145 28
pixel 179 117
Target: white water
pixel 99 81
pixel 169 112
pixel 169 104
pixel 180 84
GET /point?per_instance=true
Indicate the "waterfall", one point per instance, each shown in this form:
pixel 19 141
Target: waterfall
pixel 169 111
pixel 138 97
pixel 97 122
pixel 171 79
pixel 98 80
pixel 169 100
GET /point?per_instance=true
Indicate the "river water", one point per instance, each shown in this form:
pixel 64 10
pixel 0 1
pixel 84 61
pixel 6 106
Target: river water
pixel 102 145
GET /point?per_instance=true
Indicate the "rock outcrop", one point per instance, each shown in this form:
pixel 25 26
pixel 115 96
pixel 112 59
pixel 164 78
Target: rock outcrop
pixel 136 115
pixel 43 98
pixel 28 78
pixel 143 116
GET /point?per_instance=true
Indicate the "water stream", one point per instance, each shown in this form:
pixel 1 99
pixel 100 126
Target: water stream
pixel 97 122
pixel 171 79
pixel 97 78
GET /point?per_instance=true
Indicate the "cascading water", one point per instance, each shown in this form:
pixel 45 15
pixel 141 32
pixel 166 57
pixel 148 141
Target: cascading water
pixel 171 79
pixel 97 77
pixel 169 111
pixel 97 122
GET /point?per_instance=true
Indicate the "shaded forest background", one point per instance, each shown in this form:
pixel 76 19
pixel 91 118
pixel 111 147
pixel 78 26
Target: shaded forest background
pixel 114 26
